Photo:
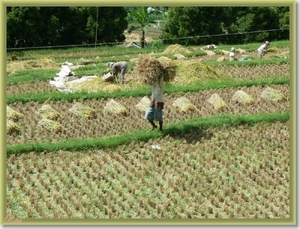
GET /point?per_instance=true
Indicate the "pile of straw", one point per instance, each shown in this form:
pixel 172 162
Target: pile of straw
pixel 12 127
pixel 184 105
pixel 242 97
pixel 176 48
pixel 50 125
pixel 114 107
pixel 143 104
pixel 13 115
pixel 150 69
pixel 47 112
pixel 217 102
pixel 272 95
pixel 82 111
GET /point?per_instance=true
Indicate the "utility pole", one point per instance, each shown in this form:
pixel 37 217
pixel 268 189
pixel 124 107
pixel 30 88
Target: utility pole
pixel 96 32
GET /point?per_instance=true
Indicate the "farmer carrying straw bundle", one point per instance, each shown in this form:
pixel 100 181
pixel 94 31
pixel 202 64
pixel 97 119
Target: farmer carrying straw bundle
pixel 153 72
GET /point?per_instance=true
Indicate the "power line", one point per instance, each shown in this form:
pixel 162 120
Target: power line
pixel 175 38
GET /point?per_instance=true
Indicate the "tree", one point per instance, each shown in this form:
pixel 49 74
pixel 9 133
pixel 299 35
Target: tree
pixel 192 25
pixel 38 26
pixel 143 19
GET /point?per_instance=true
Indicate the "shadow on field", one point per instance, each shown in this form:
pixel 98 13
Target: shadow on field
pixel 189 133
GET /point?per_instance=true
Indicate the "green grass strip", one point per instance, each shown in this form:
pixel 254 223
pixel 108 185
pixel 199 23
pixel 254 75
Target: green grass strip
pixel 170 129
pixel 199 86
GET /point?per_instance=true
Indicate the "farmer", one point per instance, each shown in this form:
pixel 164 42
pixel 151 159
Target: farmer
pixel 118 67
pixel 232 54
pixel 155 109
pixel 263 49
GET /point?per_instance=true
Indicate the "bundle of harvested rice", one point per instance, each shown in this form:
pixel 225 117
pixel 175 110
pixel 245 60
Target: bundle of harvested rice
pixel 143 104
pixel 149 69
pixel 184 105
pixel 12 127
pixel 272 95
pixel 50 125
pixel 82 111
pixel 217 102
pixel 176 48
pixel 114 107
pixel 47 112
pixel 242 97
pixel 209 53
pixel 13 115
pixel 179 56
pixel 187 72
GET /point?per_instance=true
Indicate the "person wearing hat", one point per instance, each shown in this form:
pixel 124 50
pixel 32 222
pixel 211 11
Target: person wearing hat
pixel 232 54
pixel 263 49
pixel 118 67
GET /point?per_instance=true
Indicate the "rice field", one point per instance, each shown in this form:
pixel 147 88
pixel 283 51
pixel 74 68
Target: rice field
pixel 215 159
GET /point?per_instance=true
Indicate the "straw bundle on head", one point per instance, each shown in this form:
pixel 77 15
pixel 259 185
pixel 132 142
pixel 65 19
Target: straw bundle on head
pixel 46 111
pixel 143 104
pixel 12 114
pixel 12 127
pixel 114 107
pixel 272 95
pixel 184 105
pixel 82 111
pixel 242 97
pixel 50 125
pixel 150 69
pixel 217 102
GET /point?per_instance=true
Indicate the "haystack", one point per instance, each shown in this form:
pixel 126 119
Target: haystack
pixel 50 125
pixel 114 107
pixel 13 115
pixel 83 111
pixel 150 69
pixel 217 102
pixel 47 112
pixel 179 56
pixel 184 105
pixel 12 127
pixel 187 72
pixel 272 95
pixel 176 48
pixel 242 97
pixel 143 104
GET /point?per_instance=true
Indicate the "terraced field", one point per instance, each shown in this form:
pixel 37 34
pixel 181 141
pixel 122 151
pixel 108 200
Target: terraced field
pixel 208 163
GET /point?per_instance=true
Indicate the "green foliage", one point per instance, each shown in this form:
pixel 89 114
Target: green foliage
pixel 55 25
pixel 193 25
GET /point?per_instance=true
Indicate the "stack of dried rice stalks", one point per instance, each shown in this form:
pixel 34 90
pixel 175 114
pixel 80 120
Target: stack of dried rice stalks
pixel 217 102
pixel 150 69
pixel 242 97
pixel 47 112
pixel 176 48
pixel 272 95
pixel 12 127
pixel 13 115
pixel 50 125
pixel 114 107
pixel 82 111
pixel 143 104
pixel 184 105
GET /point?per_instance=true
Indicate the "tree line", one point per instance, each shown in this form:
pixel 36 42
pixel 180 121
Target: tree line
pixel 54 26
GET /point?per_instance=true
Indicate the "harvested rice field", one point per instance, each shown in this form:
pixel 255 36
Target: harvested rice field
pixel 224 152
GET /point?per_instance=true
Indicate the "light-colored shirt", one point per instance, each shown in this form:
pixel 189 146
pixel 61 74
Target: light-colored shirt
pixel 118 66
pixel 158 90
pixel 262 48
